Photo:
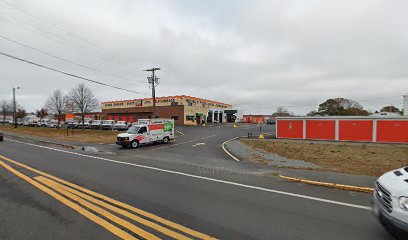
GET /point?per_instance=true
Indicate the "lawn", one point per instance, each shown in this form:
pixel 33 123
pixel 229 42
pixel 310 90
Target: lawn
pixel 356 158
pixel 83 136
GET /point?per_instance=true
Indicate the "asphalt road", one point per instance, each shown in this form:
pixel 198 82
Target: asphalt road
pixel 190 182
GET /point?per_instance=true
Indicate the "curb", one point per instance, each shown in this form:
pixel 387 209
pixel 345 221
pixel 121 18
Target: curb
pixel 331 185
pixel 38 140
pixel 226 151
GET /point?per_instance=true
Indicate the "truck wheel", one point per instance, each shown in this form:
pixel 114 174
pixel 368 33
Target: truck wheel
pixel 165 140
pixel 134 144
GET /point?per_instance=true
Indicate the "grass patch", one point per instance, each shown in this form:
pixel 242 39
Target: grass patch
pixel 355 158
pixel 83 136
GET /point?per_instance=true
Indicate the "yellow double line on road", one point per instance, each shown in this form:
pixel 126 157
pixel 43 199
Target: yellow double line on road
pixel 77 198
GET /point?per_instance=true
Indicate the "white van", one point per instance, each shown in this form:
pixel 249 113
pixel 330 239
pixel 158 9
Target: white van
pixel 390 202
pixel 52 124
pixel 147 131
pixel 33 122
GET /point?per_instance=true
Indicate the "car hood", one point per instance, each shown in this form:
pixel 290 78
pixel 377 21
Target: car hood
pixel 125 135
pixel 396 185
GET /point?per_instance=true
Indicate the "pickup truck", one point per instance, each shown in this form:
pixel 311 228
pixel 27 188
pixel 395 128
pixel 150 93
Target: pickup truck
pixel 390 202
pixel 121 125
pixel 107 124
pixel 147 131
pixel 73 124
pixel 96 124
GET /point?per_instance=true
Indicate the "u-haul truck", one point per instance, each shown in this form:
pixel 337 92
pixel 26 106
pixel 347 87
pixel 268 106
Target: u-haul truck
pixel 147 131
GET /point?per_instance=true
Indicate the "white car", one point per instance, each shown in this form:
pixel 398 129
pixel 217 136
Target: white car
pixel 43 122
pixel 86 124
pixel 33 122
pixel 107 124
pixel 96 124
pixel 390 202
pixel 121 125
pixel 52 124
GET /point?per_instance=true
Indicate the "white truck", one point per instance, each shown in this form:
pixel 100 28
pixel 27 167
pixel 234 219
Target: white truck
pixel 147 131
pixel 390 202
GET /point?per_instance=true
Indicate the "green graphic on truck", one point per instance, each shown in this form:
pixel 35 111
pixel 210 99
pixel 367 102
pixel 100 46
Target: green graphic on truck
pixel 168 126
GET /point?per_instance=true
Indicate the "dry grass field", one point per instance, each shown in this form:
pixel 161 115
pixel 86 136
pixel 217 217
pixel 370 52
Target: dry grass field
pixel 83 136
pixel 356 158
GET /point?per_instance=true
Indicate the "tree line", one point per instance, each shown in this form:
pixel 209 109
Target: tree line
pixel 80 100
pixel 338 107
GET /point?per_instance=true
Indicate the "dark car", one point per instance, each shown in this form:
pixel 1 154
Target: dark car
pixel 1 136
pixel 270 121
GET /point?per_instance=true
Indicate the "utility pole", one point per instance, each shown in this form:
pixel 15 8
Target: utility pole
pixel 154 81
pixel 15 107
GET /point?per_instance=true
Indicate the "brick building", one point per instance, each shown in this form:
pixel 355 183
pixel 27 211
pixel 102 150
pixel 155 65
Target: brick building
pixel 183 109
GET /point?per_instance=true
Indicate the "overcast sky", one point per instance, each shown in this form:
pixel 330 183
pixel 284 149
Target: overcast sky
pixel 256 55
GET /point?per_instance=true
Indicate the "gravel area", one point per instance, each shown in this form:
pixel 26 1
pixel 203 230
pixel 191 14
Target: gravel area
pixel 248 154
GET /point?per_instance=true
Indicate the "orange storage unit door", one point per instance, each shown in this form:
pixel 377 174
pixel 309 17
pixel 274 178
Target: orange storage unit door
pixel 321 129
pixel 290 128
pixel 116 118
pixel 392 131
pixel 131 119
pixel 356 130
pixel 110 117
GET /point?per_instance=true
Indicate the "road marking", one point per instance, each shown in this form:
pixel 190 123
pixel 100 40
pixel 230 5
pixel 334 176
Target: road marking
pixel 108 226
pixel 198 144
pixel 113 201
pixel 143 221
pixel 179 132
pixel 140 232
pixel 173 145
pixel 205 178
pixel 226 151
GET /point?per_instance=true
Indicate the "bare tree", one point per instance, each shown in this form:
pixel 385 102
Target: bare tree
pixel 6 109
pixel 56 104
pixel 42 113
pixel 21 113
pixel 282 112
pixel 83 100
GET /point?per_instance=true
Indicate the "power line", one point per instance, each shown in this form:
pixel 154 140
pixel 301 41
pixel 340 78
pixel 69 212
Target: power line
pixel 51 36
pixel 69 74
pixel 63 30
pixel 63 59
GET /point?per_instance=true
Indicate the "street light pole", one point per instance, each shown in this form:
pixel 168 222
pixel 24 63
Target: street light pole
pixel 15 107
pixel 154 81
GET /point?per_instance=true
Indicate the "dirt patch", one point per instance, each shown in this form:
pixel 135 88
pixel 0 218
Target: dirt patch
pixel 84 136
pixel 355 158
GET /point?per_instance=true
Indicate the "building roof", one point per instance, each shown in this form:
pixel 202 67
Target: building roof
pixel 167 97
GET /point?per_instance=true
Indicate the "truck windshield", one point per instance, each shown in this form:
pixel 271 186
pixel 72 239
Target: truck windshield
pixel 133 130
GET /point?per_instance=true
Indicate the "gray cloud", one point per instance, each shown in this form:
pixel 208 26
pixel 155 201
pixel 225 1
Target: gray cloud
pixel 256 55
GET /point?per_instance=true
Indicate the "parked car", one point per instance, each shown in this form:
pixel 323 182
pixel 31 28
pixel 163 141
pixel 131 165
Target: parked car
pixel 96 124
pixel 121 126
pixel 73 124
pixel 390 202
pixel 26 123
pixel 270 121
pixel 52 124
pixel 86 124
pixel 1 136
pixel 107 124
pixel 43 123
pixel 33 122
